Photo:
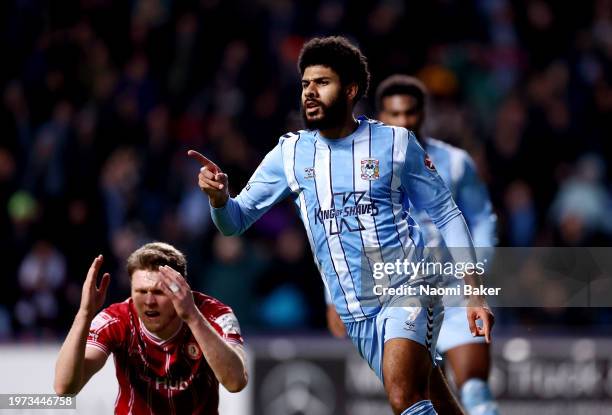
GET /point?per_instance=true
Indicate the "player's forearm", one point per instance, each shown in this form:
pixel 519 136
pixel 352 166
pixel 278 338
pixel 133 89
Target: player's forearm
pixel 228 218
pixel 457 237
pixel 226 363
pixel 484 237
pixel 483 228
pixel 70 361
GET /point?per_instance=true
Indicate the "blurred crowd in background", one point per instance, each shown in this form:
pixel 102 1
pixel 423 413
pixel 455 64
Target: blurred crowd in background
pixel 101 100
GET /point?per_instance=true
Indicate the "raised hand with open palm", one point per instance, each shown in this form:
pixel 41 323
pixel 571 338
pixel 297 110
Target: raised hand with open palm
pixel 93 296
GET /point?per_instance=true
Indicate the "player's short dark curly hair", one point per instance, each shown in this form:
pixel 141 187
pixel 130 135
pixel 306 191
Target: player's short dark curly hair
pixel 401 85
pixel 151 256
pixel 339 54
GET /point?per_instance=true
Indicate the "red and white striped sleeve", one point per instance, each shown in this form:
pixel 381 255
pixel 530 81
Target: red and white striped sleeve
pixel 105 331
pixel 228 327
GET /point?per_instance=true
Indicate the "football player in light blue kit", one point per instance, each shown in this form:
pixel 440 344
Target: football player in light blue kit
pixel 348 179
pixel 400 101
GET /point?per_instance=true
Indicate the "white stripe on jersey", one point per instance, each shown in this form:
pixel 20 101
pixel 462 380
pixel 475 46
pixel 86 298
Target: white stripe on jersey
pixel 99 346
pixel 289 165
pixel 170 400
pixel 131 402
pixel 288 151
pixel 362 151
pixel 400 145
pixel 324 194
pixel 304 215
pixel 369 236
pixel 118 394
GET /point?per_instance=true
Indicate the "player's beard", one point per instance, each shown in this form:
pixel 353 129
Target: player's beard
pixel 334 114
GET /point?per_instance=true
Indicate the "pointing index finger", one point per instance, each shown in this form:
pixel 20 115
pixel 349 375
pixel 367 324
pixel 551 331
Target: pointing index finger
pixel 205 162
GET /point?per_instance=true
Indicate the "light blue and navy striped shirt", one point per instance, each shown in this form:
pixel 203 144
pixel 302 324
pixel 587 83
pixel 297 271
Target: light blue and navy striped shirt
pixel 458 171
pixel 350 194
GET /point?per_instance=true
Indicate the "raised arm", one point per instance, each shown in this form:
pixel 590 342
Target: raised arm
pixel 226 360
pixel 267 186
pixel 75 364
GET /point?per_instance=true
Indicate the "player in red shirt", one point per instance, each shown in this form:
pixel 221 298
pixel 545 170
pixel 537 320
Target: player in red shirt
pixel 172 346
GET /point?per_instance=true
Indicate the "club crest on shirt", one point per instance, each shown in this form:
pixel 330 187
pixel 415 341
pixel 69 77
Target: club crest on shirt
pixel 193 351
pixel 370 169
pixel 309 173
pixel 429 164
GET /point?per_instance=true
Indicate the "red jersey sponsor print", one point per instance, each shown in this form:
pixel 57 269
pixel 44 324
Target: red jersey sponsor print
pixel 161 376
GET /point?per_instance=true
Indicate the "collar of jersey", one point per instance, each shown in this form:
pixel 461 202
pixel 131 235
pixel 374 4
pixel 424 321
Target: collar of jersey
pixel 344 141
pixel 157 340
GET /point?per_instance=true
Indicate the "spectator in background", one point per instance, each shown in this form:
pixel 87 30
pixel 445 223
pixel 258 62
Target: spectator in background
pixel 119 181
pixel 521 214
pixel 41 277
pixel 234 258
pixel 581 209
pixel 286 298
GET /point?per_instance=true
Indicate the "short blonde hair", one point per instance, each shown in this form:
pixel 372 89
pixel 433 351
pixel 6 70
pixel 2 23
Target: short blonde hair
pixel 151 256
